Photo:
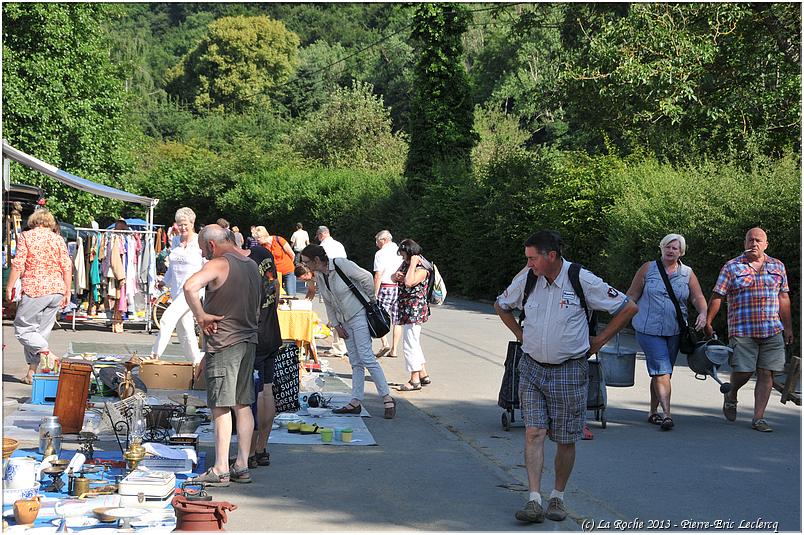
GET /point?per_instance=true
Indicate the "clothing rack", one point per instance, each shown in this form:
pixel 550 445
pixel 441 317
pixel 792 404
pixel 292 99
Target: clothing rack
pixel 148 241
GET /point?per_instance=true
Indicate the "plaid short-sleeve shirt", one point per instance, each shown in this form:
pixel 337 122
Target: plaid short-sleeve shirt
pixel 753 296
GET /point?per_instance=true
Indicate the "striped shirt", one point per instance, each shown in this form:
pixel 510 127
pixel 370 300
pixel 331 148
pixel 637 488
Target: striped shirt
pixel 752 296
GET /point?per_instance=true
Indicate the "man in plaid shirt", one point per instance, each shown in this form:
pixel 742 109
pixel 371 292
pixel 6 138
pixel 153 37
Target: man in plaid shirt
pixel 755 287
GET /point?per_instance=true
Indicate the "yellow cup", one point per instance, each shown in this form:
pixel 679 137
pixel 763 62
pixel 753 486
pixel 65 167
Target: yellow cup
pixel 346 435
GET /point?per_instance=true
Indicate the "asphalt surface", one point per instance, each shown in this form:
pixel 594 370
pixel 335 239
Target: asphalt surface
pixel 446 464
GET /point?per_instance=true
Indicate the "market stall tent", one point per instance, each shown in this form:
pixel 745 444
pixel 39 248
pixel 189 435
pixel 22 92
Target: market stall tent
pixel 10 153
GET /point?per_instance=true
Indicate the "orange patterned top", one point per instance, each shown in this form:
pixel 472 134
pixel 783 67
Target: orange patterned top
pixel 42 260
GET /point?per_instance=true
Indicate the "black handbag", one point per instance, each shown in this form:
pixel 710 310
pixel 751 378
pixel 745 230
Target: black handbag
pixel 379 320
pixel 687 342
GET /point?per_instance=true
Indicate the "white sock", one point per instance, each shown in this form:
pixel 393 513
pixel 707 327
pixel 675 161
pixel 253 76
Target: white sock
pixel 535 497
pixel 556 494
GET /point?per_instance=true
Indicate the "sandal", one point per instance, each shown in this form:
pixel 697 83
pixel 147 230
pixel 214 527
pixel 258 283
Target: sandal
pixel 383 352
pixel 410 387
pixel 348 409
pixel 390 408
pixel 655 419
pixel 667 424
pixel 211 479
pixel 425 380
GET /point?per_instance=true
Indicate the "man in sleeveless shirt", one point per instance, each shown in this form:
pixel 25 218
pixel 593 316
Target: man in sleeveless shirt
pixel 228 318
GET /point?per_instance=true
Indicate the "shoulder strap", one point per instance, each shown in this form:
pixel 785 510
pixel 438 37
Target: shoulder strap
pixel 530 284
pixel 350 284
pixel 575 280
pixel 672 294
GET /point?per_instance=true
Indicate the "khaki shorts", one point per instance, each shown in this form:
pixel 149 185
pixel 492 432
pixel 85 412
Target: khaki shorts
pixel 229 376
pixel 752 353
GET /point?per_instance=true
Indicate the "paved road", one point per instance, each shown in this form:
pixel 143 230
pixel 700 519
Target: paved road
pixel 446 464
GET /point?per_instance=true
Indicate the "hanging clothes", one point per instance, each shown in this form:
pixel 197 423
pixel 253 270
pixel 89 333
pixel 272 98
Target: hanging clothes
pixel 79 267
pixel 94 268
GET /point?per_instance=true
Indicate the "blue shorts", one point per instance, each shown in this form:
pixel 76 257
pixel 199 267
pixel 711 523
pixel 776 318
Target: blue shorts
pixel 660 352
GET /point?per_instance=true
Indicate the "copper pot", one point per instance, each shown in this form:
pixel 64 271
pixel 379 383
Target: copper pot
pixel 200 516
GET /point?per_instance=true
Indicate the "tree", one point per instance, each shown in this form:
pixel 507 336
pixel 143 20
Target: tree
pixel 352 130
pixel 237 64
pixel 63 101
pixel 441 107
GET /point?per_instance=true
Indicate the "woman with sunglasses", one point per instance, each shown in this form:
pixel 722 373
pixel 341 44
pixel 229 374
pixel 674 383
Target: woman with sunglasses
pixel 348 315
pixel 413 279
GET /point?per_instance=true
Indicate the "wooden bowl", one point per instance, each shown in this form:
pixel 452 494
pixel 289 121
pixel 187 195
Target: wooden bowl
pixel 100 514
pixel 9 445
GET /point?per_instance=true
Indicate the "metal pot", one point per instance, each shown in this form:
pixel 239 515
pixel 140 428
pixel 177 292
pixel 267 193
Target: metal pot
pixel 707 358
pixel 50 428
pixel 186 424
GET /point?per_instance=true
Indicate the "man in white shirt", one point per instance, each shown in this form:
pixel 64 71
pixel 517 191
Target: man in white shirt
pixel 556 342
pixel 334 249
pixel 386 263
pixel 299 240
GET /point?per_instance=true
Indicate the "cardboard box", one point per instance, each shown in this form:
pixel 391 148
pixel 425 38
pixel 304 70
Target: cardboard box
pixel 167 375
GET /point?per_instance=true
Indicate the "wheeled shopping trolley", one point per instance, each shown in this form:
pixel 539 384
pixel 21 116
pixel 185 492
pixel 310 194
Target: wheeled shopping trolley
pixel 596 396
pixel 508 398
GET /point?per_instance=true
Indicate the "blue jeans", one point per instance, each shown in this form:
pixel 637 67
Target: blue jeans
pixel 660 352
pixel 289 281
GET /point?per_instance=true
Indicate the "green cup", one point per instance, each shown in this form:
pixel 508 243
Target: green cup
pixel 326 434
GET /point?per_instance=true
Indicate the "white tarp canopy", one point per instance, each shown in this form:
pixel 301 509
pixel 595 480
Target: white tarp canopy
pixel 76 182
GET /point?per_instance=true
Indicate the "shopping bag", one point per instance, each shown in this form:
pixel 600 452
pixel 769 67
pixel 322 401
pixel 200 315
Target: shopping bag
pixel 286 379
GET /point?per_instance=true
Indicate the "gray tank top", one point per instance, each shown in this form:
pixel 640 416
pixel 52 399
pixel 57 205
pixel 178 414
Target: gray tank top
pixel 238 300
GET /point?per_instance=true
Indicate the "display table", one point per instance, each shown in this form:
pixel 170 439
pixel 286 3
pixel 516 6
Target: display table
pixel 159 519
pixel 297 325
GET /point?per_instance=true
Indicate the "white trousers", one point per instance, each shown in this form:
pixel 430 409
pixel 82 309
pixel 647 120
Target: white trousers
pixel 412 347
pixel 178 317
pixel 362 357
pixel 34 321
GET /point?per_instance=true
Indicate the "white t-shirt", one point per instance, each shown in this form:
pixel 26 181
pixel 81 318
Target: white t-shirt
pixel 388 261
pixel 184 262
pixel 333 248
pixel 299 240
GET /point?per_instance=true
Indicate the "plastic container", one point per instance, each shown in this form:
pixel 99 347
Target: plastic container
pixel 346 434
pixel 326 435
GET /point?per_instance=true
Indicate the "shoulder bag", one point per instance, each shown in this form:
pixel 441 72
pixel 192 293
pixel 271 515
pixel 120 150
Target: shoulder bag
pixel 687 343
pixel 379 321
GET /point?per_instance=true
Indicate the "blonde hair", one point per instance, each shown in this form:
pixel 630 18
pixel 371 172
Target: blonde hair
pixel 260 234
pixel 185 213
pixel 682 243
pixel 235 229
pixel 42 218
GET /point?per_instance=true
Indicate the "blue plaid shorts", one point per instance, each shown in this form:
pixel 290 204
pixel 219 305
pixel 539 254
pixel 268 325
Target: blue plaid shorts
pixel 554 397
pixel 388 297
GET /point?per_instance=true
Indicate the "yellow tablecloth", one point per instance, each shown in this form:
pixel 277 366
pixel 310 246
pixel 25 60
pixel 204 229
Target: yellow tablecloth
pixel 298 325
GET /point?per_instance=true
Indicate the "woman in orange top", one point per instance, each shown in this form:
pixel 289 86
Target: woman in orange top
pixel 43 265
pixel 283 256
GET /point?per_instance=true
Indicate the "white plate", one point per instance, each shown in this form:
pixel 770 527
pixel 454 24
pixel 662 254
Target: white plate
pixel 77 522
pixel 126 512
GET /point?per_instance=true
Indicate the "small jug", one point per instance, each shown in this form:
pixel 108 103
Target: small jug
pixel 21 473
pixel 26 511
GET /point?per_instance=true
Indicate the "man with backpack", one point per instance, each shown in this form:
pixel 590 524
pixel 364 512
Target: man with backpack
pixel 556 296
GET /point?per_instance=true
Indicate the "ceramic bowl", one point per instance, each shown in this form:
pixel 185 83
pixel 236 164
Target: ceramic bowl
pixel 100 514
pixel 12 495
pixel 316 411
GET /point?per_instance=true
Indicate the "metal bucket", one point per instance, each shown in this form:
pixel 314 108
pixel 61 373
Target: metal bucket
pixel 619 365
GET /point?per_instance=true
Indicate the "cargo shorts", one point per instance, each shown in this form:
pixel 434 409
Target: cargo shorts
pixel 752 353
pixel 229 375
pixel 554 397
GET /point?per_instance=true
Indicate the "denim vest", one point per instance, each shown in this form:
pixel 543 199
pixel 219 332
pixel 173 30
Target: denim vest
pixel 657 315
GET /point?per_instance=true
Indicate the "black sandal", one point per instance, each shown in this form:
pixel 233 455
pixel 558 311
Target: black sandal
pixel 425 380
pixel 348 409
pixel 390 408
pixel 410 387
pixel 655 419
pixel 667 424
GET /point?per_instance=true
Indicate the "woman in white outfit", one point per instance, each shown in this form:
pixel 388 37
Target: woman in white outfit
pixel 185 259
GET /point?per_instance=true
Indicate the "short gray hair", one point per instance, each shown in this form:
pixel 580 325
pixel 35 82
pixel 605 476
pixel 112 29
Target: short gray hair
pixel 321 230
pixel 215 233
pixel 383 235
pixel 184 213
pixel 682 243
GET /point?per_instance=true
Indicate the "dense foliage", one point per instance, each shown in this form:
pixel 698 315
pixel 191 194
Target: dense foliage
pixel 464 126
